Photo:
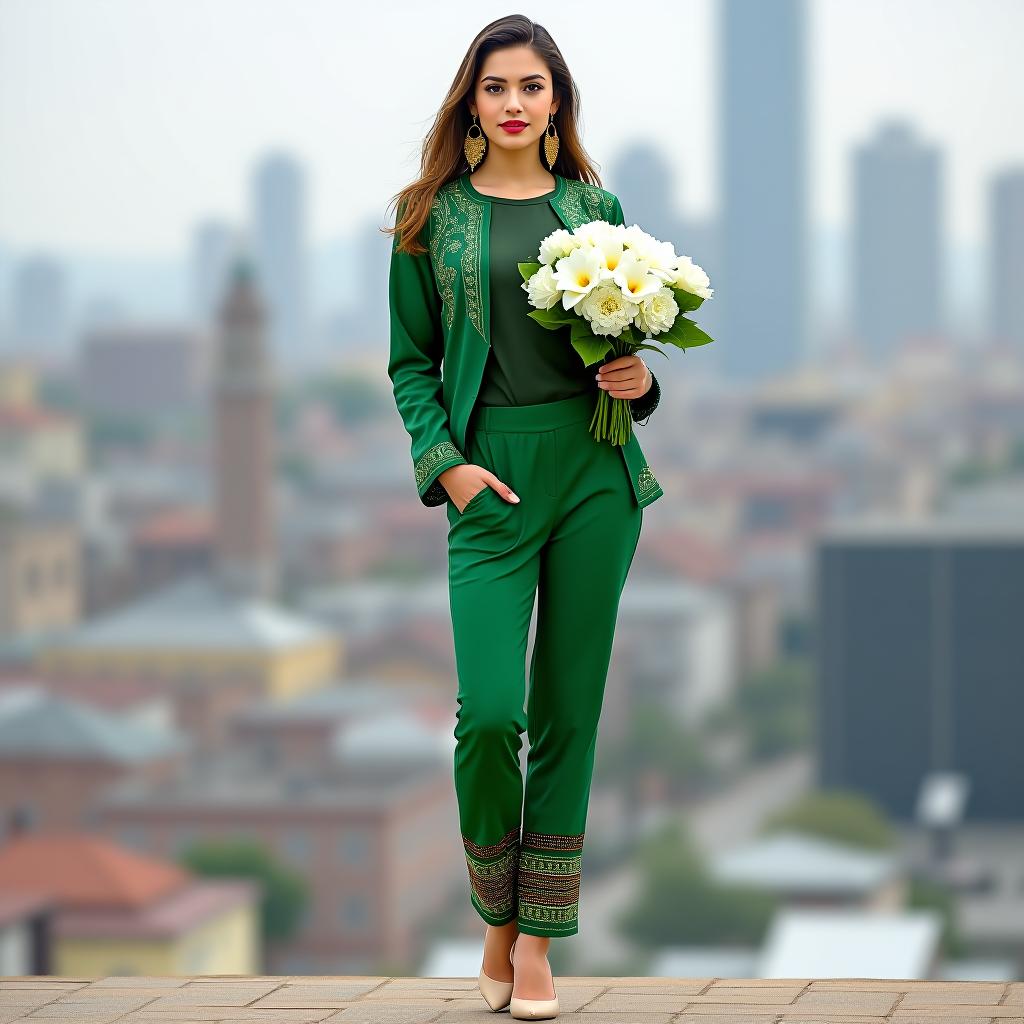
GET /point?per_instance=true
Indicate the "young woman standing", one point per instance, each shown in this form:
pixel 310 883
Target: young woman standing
pixel 537 508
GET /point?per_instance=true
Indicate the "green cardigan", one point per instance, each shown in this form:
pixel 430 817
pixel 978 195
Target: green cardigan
pixel 440 312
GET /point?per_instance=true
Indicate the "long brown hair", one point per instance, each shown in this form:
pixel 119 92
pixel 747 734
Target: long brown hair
pixel 443 158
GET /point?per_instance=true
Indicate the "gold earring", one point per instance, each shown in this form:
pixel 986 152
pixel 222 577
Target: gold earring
pixel 551 142
pixel 475 146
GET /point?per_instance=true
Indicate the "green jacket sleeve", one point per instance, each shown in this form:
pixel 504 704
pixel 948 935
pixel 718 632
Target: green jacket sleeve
pixel 414 366
pixel 641 408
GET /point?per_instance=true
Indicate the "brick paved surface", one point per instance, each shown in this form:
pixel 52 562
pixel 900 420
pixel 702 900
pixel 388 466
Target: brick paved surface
pixel 339 1000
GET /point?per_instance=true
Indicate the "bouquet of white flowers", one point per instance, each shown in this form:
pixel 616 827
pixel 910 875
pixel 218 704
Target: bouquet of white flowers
pixel 609 283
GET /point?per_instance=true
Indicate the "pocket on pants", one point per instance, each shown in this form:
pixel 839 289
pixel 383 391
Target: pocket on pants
pixel 478 499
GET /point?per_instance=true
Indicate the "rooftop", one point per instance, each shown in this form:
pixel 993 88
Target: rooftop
pixel 194 614
pixel 602 1000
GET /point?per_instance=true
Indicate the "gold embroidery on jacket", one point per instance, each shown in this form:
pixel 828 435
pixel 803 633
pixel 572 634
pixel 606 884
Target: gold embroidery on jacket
pixel 441 240
pixel 459 223
pixel 433 457
pixel 584 202
pixel 646 480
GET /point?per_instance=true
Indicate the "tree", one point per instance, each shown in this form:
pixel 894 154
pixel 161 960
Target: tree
pixel 285 893
pixel 845 816
pixel 679 903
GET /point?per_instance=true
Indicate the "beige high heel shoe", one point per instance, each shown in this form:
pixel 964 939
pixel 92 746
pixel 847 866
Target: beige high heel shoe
pixel 532 1009
pixel 496 993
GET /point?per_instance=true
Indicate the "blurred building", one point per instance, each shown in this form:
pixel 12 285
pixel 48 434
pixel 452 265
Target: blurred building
pixel 41 315
pixel 208 650
pixel 57 755
pixel 764 187
pixel 26 924
pixel 40 573
pixel 120 913
pixel 214 245
pixel 244 520
pixel 1006 258
pixel 280 247
pixel 142 370
pixel 37 442
pixel 899 240
pixel 806 870
pixel 172 543
pixel 372 829
pixel 918 635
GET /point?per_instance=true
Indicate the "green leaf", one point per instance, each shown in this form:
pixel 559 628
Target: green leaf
pixel 554 318
pixel 527 270
pixel 685 334
pixel 687 301
pixel 654 348
pixel 591 348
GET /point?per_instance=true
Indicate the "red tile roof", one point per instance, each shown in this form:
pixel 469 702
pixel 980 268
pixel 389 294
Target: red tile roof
pixel 29 417
pixel 86 872
pixel 176 526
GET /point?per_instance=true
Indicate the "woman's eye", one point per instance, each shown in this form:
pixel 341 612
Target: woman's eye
pixel 537 84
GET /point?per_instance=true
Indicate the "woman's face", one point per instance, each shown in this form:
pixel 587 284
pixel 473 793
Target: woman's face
pixel 514 84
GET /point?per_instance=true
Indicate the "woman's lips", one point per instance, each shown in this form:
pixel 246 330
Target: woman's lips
pixel 513 129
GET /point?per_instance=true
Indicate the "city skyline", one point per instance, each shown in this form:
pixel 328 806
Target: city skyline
pixel 132 178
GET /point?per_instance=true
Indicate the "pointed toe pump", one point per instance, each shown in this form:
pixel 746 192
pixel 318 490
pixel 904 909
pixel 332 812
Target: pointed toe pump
pixel 532 1009
pixel 496 993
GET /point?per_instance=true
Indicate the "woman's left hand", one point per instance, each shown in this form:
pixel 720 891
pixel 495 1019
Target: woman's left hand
pixel 625 377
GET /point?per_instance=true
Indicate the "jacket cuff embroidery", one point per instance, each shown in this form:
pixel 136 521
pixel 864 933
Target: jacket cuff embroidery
pixel 432 462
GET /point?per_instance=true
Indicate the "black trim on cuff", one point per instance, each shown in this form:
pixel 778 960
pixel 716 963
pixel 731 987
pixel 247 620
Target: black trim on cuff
pixel 435 494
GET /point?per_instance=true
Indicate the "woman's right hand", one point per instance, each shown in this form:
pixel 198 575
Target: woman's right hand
pixel 466 480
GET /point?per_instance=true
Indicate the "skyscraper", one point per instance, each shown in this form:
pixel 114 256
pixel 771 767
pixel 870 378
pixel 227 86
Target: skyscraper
pixel 1006 258
pixel 281 254
pixel 897 239
pixel 764 286
pixel 40 313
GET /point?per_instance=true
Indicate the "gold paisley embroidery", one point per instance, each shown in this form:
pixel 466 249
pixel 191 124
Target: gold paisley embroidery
pixel 433 457
pixel 584 202
pixel 458 223
pixel 442 240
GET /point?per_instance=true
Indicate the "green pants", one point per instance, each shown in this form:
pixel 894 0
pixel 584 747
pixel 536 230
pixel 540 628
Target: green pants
pixel 570 541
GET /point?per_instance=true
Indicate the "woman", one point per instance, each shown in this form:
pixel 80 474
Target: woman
pixel 536 506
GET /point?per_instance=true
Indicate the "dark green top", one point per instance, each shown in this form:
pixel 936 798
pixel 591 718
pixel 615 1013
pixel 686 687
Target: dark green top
pixel 527 363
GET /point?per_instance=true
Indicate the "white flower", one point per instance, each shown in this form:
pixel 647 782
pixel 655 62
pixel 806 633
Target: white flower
pixel 542 289
pixel 633 275
pixel 691 278
pixel 634 237
pixel 610 247
pixel 558 244
pixel 659 255
pixel 657 312
pixel 607 309
pixel 577 273
pixel 596 231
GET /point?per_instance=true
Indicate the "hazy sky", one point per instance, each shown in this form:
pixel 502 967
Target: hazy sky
pixel 122 122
